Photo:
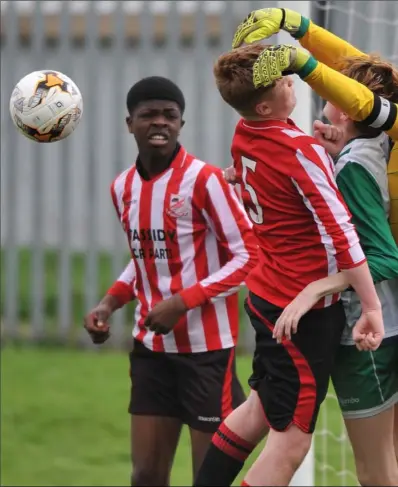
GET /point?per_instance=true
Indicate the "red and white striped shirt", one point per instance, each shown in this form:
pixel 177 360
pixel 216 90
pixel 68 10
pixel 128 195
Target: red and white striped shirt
pixel 189 234
pixel 302 224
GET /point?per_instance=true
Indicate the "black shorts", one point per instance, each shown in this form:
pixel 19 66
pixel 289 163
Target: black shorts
pixel 201 389
pixel 292 378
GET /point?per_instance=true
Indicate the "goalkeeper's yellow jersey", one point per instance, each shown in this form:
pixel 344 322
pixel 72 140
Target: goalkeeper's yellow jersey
pixel 353 97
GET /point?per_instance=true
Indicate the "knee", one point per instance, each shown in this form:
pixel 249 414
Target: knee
pixel 297 450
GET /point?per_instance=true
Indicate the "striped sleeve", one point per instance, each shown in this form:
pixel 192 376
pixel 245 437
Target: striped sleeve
pixel 314 180
pixel 115 199
pixel 123 288
pixel 227 219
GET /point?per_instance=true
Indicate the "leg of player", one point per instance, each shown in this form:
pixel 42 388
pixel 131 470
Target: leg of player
pixel 375 460
pixel 291 379
pixel 155 416
pixel 200 442
pixel 232 443
pixel 286 450
pixel 153 445
pixel 366 385
pixel 209 390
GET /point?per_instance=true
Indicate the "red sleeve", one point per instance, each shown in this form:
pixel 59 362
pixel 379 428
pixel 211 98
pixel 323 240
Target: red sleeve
pixel 123 288
pixel 114 199
pixel 313 178
pixel 228 220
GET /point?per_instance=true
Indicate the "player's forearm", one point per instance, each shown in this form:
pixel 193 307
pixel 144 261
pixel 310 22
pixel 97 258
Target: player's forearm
pixel 121 292
pixel 327 47
pixel 112 301
pixel 228 280
pixel 343 92
pixel 362 282
pixel 353 98
pixel 329 285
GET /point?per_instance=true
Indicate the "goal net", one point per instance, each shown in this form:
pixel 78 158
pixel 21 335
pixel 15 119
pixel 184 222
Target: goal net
pixel 372 27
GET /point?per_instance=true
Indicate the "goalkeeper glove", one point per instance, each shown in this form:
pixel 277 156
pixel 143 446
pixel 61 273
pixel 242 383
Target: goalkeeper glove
pixel 261 24
pixel 277 61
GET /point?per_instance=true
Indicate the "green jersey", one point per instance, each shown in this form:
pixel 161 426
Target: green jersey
pixel 361 175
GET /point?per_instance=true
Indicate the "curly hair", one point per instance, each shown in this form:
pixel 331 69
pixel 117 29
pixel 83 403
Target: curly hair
pixel 380 76
pixel 233 72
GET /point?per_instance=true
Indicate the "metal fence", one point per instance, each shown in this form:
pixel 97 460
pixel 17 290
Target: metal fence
pixel 61 245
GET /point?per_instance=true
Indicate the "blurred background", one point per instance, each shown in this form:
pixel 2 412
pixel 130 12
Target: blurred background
pixel 63 412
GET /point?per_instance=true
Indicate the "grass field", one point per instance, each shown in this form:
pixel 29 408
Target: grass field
pixel 64 422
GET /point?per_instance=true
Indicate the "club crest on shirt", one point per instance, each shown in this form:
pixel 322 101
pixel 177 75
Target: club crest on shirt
pixel 178 206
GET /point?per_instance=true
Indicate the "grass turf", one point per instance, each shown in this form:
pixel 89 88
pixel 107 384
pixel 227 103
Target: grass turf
pixel 64 422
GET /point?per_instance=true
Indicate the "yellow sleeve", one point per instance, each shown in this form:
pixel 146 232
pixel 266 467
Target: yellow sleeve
pixel 355 99
pixel 327 47
pixel 393 189
pixel 350 96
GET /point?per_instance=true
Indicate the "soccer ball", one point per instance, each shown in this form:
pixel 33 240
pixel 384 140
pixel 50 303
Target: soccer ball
pixel 46 106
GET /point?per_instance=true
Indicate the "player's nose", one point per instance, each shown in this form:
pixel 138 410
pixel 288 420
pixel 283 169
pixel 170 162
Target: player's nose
pixel 159 120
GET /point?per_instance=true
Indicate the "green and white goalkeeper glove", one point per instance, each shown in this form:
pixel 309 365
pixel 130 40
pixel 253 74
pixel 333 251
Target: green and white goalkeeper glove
pixel 278 61
pixel 261 24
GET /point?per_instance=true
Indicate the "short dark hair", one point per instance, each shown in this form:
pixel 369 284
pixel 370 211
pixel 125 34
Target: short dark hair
pixel 154 88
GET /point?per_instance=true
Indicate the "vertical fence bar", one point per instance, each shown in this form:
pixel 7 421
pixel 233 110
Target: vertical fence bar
pixel 91 100
pixel 37 278
pixel 200 56
pixel 172 41
pixel 228 25
pixel 64 294
pixel 10 166
pixel 146 41
pixel 393 52
pixel 118 132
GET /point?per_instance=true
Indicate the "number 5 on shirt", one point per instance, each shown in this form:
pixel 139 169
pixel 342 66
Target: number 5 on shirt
pixel 257 214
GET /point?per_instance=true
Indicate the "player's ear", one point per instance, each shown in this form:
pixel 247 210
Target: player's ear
pixel 182 123
pixel 263 109
pixel 129 123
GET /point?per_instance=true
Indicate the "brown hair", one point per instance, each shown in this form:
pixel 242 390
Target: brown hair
pixel 376 74
pixel 233 72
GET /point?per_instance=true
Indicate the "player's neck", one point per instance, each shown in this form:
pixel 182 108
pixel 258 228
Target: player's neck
pixel 350 133
pixel 151 165
pixel 265 119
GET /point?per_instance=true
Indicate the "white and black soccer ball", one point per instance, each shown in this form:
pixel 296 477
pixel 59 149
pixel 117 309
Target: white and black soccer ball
pixel 46 106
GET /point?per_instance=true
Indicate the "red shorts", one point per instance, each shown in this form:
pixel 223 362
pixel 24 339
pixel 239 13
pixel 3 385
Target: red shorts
pixel 292 378
pixel 201 389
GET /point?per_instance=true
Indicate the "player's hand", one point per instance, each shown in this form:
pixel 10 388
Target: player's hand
pixel 264 23
pixel 230 175
pixel 368 332
pixel 165 315
pixel 287 323
pixel 329 137
pixel 96 323
pixel 277 61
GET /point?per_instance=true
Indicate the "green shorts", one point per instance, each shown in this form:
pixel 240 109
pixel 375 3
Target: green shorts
pixel 366 383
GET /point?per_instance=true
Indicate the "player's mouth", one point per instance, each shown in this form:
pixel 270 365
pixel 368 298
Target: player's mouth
pixel 158 140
